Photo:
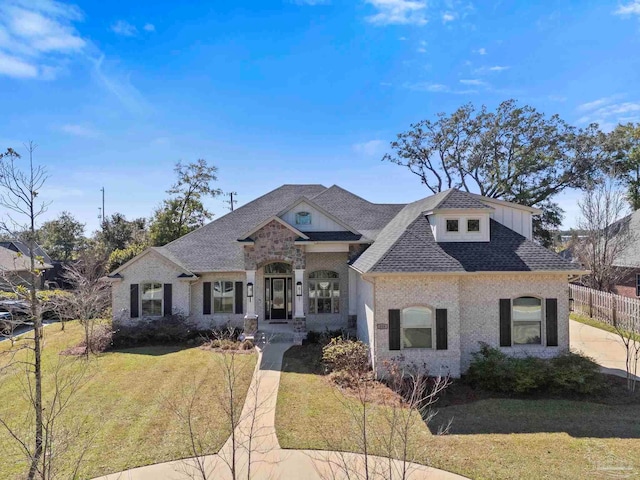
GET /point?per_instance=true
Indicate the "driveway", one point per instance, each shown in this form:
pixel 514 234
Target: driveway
pixel 604 347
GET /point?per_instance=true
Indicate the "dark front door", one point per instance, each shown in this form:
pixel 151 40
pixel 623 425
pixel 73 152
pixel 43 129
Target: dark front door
pixel 278 298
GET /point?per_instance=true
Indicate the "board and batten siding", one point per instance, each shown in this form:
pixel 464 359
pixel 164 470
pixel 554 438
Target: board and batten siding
pixel 319 221
pixel 516 219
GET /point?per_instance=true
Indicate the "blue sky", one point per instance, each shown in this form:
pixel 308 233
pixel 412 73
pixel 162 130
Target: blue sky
pixel 272 92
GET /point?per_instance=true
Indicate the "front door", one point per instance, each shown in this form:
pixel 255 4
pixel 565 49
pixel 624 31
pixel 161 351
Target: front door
pixel 278 298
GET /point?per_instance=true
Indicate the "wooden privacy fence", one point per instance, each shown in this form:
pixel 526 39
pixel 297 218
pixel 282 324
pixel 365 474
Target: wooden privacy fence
pixel 616 310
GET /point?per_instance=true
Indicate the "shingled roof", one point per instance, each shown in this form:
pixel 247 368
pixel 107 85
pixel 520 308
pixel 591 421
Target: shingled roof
pixel 455 199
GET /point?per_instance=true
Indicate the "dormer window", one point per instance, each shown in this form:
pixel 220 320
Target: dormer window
pixel 303 218
pixel 452 226
pixel 473 225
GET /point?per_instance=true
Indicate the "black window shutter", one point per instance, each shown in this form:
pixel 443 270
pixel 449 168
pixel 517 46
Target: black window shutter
pixel 394 329
pixel 133 306
pixel 505 322
pixel 551 309
pixel 441 329
pixel 206 298
pixel 239 297
pixel 168 299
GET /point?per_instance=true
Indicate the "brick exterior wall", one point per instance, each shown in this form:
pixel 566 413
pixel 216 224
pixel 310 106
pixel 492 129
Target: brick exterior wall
pixel 338 263
pixel 215 320
pixel 472 304
pixel 150 268
pixel 273 243
pixel 626 286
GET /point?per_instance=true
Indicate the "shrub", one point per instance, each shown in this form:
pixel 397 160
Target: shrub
pixel 575 373
pixel 346 355
pixel 493 370
pixel 174 329
pixel 325 336
pixel 101 338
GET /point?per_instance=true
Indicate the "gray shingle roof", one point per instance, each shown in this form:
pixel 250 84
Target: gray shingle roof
pixel 331 237
pixel 457 199
pixel 417 251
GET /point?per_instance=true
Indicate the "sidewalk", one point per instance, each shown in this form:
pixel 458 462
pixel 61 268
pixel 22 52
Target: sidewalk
pixel 604 347
pixel 268 460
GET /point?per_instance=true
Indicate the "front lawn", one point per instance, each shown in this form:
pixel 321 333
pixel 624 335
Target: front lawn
pixel 492 438
pixel 122 406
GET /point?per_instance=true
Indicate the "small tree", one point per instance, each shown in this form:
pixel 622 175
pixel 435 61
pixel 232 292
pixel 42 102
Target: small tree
pixel 63 237
pixel 606 234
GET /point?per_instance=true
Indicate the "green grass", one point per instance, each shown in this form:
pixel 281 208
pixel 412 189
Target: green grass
pixel 122 408
pixel 489 439
pixel 592 322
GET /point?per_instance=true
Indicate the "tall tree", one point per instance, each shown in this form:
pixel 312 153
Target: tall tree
pixel 19 190
pixel 184 211
pixel 63 237
pixel 118 233
pixel 624 144
pixel 513 153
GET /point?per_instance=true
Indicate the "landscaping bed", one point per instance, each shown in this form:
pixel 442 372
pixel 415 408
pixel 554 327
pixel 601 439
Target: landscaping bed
pixel 491 435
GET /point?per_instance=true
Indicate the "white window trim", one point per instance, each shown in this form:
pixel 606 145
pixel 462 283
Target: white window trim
pixel 213 297
pixel 141 294
pixel 306 214
pixel 447 232
pixel 333 298
pixel 543 327
pixel 472 232
pixel 433 328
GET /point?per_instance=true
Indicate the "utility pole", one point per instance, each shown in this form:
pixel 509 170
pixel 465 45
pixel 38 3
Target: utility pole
pixel 231 202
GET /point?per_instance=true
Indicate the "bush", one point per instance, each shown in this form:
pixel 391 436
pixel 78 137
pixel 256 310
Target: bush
pixel 493 370
pixel 346 355
pixel 101 338
pixel 324 337
pixel 169 330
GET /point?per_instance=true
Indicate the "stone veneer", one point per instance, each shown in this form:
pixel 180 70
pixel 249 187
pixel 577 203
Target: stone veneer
pixel 273 243
pixel 472 303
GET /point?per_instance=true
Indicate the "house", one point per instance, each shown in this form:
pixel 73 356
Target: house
pixel 422 282
pixel 15 264
pixel 627 261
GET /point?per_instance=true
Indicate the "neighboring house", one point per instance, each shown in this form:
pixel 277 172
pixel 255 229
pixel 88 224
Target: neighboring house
pixel 15 264
pixel 628 261
pixel 423 282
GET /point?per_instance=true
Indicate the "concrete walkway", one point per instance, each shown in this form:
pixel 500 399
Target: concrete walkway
pixel 267 460
pixel 604 347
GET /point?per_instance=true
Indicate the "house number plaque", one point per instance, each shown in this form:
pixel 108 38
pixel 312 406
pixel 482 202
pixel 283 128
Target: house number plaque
pixel 382 326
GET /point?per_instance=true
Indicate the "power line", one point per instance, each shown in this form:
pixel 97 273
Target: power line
pixel 231 202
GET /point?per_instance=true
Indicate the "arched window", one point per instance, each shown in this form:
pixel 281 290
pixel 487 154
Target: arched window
pixel 526 317
pixel 151 299
pixel 303 218
pixel 324 292
pixel 417 327
pixel 277 268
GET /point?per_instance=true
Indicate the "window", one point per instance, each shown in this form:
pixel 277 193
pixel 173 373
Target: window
pixel 526 315
pixel 277 268
pixel 417 327
pixel 473 225
pixel 324 292
pixel 452 225
pixel 637 284
pixel 303 218
pixel 223 297
pixel 151 300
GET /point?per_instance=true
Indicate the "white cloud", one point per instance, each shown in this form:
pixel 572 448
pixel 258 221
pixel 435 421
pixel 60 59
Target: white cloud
pixel 124 28
pixel 371 148
pixel 498 68
pixel 448 17
pixel 402 39
pixel 398 12
pixel 79 130
pixel 495 68
pixel 311 2
pixel 631 8
pixel 436 88
pixel 608 112
pixel 149 27
pixel 17 68
pixel 473 81
pixel 481 51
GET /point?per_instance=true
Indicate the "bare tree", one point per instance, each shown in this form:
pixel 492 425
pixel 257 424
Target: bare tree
pixel 19 190
pixel 90 296
pixel 606 236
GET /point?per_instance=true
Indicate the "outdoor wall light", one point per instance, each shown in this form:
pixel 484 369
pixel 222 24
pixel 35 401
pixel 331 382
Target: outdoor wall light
pixel 249 290
pixel 298 289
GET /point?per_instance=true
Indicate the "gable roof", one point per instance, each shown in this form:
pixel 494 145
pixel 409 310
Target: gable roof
pixel 264 223
pixel 152 250
pixel 12 261
pixel 311 203
pixel 23 248
pixel 417 251
pixel 456 199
